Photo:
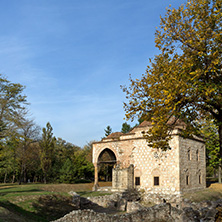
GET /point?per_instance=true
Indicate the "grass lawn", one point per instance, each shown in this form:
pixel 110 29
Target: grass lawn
pixel 39 202
pixel 213 192
pixel 47 202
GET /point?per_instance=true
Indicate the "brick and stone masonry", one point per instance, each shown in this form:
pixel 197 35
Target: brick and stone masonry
pixel 160 174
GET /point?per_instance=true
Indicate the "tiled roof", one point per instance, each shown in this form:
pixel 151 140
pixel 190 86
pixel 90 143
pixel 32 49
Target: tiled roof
pixel 115 135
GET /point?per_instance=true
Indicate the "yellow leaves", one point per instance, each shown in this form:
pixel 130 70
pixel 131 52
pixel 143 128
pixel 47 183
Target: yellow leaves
pixel 187 72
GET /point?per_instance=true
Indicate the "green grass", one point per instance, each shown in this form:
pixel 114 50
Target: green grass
pixel 19 200
pixel 214 192
pixel 39 202
pixel 47 202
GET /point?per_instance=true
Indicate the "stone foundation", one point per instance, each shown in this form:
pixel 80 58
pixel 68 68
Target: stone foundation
pixel 159 198
pixel 206 212
pixel 161 212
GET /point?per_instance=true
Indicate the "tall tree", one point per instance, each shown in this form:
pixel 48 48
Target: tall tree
pixel 47 145
pixel 8 157
pixel 184 80
pixel 12 101
pixel 62 162
pixel 108 131
pixel 29 133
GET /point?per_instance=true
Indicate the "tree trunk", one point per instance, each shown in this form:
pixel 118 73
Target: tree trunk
pixel 13 178
pixel 5 177
pixel 35 179
pixel 44 178
pixel 215 173
pixel 21 175
pixel 220 161
pixel 25 175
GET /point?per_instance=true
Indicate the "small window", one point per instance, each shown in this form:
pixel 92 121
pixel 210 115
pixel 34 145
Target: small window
pixel 187 180
pixel 199 178
pixel 137 181
pixel 156 181
pixel 197 155
pixel 188 155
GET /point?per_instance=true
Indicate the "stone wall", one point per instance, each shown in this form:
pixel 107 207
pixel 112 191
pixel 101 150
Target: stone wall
pixel 192 165
pixel 121 148
pixel 157 213
pixel 152 163
pixel 123 179
pixel 172 168
pixel 206 211
pixel 119 201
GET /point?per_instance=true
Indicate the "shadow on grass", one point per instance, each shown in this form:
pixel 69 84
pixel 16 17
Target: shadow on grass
pixel 56 206
pixel 28 216
pixel 53 206
pixel 210 181
pixel 47 208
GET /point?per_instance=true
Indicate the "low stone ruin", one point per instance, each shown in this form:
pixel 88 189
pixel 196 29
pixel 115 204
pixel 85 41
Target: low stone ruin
pixel 107 208
pixel 156 213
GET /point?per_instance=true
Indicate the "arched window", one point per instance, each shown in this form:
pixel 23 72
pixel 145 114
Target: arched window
pixel 197 155
pixel 187 179
pixel 137 181
pixel 189 154
pixel 200 178
pixel 156 181
pixel 156 177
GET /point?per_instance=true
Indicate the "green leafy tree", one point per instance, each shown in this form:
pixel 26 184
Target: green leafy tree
pixel 108 131
pixel 12 102
pixel 84 168
pixel 67 172
pixel 125 128
pixel 47 145
pixel 184 80
pixel 28 132
pixel 88 150
pixel 210 133
pixel 9 160
pixel 63 151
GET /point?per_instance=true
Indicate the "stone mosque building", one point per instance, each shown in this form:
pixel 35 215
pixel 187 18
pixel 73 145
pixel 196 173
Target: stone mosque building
pixel 161 174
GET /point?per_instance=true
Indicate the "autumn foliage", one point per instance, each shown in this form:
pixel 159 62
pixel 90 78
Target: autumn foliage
pixel 184 80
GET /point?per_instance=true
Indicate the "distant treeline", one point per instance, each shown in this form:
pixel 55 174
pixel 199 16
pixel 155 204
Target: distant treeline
pixel 29 154
pixel 48 160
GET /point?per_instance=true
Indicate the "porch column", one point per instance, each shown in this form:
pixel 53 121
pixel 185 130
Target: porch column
pixel 96 185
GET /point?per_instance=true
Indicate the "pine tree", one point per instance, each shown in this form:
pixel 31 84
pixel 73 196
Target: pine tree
pixel 108 131
pixel 46 150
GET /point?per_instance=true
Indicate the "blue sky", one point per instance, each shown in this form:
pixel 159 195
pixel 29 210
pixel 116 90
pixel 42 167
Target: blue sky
pixel 72 56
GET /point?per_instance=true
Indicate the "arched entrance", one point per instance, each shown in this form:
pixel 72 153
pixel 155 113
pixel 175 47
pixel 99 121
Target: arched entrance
pixel 103 168
pixel 106 161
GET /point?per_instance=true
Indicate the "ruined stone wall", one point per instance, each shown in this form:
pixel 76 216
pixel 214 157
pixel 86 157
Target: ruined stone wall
pixel 123 179
pixel 162 213
pixel 192 165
